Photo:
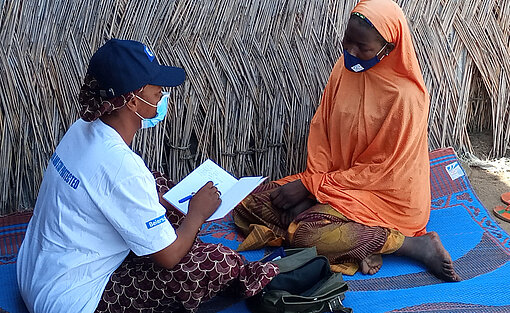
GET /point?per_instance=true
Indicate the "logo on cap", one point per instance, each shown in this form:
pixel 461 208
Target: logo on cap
pixel 149 53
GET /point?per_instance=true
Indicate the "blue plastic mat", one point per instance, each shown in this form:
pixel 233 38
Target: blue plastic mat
pixel 12 231
pixel 479 247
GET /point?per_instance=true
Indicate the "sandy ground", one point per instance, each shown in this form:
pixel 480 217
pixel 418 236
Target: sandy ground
pixel 489 179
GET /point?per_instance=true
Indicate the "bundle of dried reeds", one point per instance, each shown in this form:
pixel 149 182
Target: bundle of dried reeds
pixel 255 73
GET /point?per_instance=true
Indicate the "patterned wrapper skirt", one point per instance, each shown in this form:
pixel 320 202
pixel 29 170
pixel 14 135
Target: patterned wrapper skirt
pixel 344 242
pixel 139 285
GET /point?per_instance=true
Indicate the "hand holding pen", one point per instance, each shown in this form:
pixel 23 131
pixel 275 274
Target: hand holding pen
pixel 205 201
pixel 188 197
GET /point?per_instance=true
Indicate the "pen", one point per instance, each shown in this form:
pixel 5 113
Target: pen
pixel 191 195
pixel 187 198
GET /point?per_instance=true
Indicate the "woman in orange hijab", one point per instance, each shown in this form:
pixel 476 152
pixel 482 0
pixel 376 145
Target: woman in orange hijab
pixel 366 188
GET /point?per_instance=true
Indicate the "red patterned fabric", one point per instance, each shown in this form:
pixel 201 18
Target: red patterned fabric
pixel 441 183
pixel 12 232
pixel 139 285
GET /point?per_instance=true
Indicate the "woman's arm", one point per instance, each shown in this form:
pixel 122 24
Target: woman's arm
pixel 203 204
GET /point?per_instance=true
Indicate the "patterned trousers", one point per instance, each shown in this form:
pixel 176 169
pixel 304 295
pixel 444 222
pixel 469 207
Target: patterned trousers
pixel 139 285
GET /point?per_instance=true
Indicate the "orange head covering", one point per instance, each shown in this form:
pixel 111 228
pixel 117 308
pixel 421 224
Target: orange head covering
pixel 390 22
pixel 367 146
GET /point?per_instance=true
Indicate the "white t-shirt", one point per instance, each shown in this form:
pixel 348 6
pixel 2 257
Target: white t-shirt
pixel 97 202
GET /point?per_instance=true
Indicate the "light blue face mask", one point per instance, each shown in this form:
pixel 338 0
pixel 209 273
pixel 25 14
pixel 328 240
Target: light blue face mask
pixel 355 64
pixel 161 109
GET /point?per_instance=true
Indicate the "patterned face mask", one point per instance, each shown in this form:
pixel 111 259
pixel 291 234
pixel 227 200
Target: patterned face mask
pixel 161 109
pixel 355 64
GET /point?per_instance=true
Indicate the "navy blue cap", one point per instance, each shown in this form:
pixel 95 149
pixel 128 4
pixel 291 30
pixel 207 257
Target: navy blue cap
pixel 122 66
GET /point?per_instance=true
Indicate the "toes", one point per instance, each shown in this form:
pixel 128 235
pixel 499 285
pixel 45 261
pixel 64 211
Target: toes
pixel 448 266
pixel 451 274
pixel 371 270
pixel 450 277
pixel 371 264
pixel 375 270
pixel 453 278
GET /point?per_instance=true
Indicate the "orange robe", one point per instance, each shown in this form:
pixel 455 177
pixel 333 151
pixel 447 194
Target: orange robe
pixel 367 146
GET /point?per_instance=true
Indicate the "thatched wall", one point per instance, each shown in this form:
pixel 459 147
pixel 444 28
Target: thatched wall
pixel 256 70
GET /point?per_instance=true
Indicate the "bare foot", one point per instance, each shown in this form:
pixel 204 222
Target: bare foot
pixel 429 250
pixel 371 264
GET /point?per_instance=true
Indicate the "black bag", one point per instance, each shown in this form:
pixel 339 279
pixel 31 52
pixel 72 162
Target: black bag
pixel 305 284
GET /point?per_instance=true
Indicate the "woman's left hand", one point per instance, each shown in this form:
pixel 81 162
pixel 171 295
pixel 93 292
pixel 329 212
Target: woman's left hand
pixel 290 214
pixel 289 195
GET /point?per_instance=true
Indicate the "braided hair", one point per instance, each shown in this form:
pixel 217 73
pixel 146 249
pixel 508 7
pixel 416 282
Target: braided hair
pixel 95 103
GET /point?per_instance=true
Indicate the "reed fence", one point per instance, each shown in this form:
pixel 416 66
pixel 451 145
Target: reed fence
pixel 256 70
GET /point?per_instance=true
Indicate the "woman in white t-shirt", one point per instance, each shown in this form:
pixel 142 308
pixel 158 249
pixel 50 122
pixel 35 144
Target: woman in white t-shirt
pixel 99 239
